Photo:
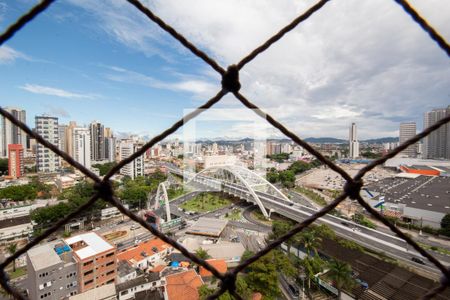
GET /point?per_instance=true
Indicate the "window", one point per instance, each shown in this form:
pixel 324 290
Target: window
pixel 110 281
pixel 110 263
pixel 124 292
pixel 110 254
pixel 88 263
pixel 88 272
pixel 110 272
pixel 88 282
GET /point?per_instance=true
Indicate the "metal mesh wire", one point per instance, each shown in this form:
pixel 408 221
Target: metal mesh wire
pixel 230 84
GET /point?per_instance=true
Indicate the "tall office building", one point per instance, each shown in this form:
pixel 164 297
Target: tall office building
pixel 81 140
pixel 110 145
pixel 437 144
pixel 62 131
pixel 46 160
pixel 10 133
pixel 69 137
pixel 353 142
pixel 136 167
pixel 97 141
pixel 15 160
pixel 408 131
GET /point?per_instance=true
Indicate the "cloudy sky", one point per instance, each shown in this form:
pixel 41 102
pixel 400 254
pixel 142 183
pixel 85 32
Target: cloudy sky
pixel 353 61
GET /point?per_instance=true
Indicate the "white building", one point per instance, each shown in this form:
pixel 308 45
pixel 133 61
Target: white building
pixel 408 131
pixel 11 134
pixel 219 161
pixel 136 167
pixel 353 142
pixel 46 160
pixel 82 146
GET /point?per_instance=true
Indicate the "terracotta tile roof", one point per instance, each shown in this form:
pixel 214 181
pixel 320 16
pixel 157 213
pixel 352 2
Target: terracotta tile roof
pixel 257 296
pixel 158 268
pixel 184 285
pixel 219 264
pixel 135 254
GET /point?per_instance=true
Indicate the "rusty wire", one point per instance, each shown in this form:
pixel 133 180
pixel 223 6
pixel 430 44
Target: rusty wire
pixel 230 83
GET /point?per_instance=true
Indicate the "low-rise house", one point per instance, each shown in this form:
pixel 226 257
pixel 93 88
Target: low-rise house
pixel 145 282
pixel 104 292
pixel 219 264
pixel 125 272
pixel 183 285
pixel 147 254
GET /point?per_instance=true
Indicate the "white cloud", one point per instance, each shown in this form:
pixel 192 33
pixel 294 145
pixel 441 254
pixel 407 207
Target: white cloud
pixel 9 55
pixel 192 84
pixel 51 91
pixel 352 61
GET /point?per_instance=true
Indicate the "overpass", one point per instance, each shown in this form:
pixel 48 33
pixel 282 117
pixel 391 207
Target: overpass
pixel 242 184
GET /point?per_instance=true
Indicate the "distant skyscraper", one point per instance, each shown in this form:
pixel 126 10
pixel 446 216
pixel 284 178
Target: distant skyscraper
pixel 62 131
pixel 10 133
pixel 136 167
pixel 15 160
pixel 69 137
pixel 407 131
pixel 46 160
pixel 97 141
pixel 437 144
pixel 82 146
pixel 353 142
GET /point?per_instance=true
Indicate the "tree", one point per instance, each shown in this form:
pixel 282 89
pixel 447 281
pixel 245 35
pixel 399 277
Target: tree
pixel 202 253
pixel 445 225
pixel 3 166
pixel 310 241
pixel 311 266
pixel 242 289
pixel 104 168
pixel 341 274
pixel 12 249
pixel 263 277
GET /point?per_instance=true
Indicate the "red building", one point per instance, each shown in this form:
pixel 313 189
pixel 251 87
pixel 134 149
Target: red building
pixel 15 160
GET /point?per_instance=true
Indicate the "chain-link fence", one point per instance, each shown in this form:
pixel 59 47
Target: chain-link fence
pixel 230 84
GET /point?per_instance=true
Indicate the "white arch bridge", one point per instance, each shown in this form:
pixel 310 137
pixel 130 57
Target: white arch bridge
pixel 235 180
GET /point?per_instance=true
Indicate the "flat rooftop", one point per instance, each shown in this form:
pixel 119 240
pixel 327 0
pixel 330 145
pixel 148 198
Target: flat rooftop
pixel 423 192
pixel 43 256
pixel 93 244
pixel 208 226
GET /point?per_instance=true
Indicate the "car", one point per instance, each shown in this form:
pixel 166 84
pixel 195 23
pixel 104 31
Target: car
pixel 120 222
pixel 133 227
pixel 217 215
pixel 119 244
pixel 345 223
pixel 137 241
pixel 417 260
pixel 362 283
pixel 291 204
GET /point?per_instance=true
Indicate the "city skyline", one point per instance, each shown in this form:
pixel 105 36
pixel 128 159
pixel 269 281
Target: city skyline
pixel 137 80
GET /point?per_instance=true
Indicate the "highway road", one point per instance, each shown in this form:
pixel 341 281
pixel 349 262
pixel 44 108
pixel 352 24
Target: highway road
pixel 369 238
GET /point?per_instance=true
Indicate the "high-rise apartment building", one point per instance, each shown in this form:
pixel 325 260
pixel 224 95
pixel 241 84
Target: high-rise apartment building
pixel 68 267
pixel 46 160
pixel 69 137
pixel 110 149
pixel 437 143
pixel 10 133
pixel 136 167
pixel 97 141
pixel 408 131
pixel 81 143
pixel 15 160
pixel 353 142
